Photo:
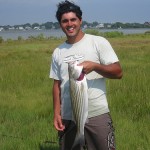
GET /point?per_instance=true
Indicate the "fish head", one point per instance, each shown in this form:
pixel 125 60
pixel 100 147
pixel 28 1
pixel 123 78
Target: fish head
pixel 75 71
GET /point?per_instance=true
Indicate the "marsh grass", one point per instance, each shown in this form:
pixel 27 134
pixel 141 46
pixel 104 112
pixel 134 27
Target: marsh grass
pixel 25 95
pixel 129 97
pixel 26 100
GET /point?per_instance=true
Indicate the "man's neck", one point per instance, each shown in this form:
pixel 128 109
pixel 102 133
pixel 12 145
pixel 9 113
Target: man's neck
pixel 75 39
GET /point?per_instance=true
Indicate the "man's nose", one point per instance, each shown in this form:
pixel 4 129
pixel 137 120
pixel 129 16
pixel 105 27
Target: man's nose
pixel 69 22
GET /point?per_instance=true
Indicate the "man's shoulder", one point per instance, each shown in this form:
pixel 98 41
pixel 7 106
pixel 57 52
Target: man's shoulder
pixel 58 48
pixel 95 37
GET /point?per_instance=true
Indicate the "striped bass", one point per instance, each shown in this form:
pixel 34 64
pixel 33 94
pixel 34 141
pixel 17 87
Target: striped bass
pixel 79 99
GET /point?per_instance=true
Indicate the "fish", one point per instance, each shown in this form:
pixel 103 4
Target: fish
pixel 79 99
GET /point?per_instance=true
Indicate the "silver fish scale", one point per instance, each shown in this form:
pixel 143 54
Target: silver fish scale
pixel 77 102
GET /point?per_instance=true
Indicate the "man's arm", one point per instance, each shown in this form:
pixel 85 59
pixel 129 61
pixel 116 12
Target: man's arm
pixel 56 105
pixel 112 71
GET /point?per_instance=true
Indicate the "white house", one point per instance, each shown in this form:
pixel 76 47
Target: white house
pixel 101 25
pixel 28 28
pixel 36 28
pixel 1 29
pixel 11 28
pixel 20 28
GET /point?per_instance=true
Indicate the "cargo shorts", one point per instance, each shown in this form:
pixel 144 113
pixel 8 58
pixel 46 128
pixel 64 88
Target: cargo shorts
pixel 98 132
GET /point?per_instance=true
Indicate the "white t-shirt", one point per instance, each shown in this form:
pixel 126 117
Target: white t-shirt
pixel 93 48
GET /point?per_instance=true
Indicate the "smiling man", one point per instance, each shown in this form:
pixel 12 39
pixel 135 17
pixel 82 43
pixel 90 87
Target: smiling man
pixel 99 62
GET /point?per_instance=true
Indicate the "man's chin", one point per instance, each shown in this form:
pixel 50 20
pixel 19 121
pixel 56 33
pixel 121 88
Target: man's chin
pixel 70 35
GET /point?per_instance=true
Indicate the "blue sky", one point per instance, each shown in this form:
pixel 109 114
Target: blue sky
pixel 14 12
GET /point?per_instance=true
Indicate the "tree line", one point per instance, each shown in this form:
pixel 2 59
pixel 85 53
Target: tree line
pixel 85 24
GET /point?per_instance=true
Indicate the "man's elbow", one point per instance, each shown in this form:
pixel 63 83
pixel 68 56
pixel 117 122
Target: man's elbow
pixel 120 74
pixel 118 71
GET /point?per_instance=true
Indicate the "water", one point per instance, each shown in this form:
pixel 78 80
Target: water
pixel 127 31
pixel 13 34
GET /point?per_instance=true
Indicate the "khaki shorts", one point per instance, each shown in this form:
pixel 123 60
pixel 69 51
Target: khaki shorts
pixel 98 131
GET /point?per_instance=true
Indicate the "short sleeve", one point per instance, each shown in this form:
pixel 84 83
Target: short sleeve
pixel 106 53
pixel 54 67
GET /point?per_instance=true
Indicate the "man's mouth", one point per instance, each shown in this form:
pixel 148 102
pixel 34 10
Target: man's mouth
pixel 70 29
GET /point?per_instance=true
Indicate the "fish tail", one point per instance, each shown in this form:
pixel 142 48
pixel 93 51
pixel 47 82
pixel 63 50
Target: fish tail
pixel 79 140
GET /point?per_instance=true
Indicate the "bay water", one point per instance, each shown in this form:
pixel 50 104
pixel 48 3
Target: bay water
pixel 14 34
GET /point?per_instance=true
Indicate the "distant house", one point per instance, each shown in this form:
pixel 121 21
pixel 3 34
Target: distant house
pixel 20 28
pixel 28 28
pixel 1 29
pixel 108 25
pixel 147 23
pixel 85 26
pixel 11 28
pixel 101 25
pixel 36 28
pixel 53 27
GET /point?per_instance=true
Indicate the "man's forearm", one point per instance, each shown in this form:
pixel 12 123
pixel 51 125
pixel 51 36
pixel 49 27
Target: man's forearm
pixel 56 97
pixel 112 71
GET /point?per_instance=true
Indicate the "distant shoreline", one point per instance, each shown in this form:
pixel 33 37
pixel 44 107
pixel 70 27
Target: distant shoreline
pixel 14 34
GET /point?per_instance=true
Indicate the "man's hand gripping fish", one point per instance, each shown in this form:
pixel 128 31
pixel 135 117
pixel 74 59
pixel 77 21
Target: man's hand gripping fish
pixel 79 99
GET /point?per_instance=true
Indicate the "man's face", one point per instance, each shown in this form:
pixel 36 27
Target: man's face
pixel 70 24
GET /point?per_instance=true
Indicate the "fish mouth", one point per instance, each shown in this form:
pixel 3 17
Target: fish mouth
pixel 81 77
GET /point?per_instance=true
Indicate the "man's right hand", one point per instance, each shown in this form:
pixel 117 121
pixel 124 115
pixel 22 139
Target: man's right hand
pixel 58 123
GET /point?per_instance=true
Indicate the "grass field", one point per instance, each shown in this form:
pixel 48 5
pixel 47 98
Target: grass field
pixel 26 100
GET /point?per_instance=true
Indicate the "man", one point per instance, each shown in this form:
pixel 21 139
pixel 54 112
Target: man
pixel 100 62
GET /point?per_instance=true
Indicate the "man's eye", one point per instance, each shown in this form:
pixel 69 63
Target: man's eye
pixel 73 19
pixel 64 21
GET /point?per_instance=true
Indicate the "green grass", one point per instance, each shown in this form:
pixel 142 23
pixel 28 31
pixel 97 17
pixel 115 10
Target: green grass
pixel 25 95
pixel 26 114
pixel 129 98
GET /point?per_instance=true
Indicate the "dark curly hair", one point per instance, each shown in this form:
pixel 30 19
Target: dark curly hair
pixel 65 7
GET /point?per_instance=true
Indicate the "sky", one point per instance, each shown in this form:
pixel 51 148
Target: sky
pixel 17 12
